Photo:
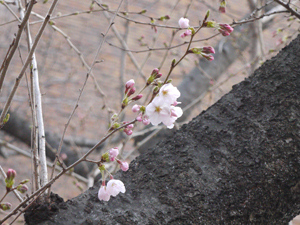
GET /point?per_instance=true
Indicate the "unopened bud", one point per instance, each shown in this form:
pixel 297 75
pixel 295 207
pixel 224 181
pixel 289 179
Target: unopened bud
pixel 10 176
pixel 222 8
pixel 129 84
pixel 22 188
pixel 137 97
pixel 136 108
pixel 208 57
pixel 24 181
pixel 211 24
pixel 173 62
pixel 105 157
pixel 113 153
pixel 131 92
pixel 207 15
pixel 123 165
pixel 5 206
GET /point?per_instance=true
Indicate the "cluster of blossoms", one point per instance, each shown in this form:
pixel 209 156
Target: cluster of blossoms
pixel 113 187
pixel 163 108
pixel 9 181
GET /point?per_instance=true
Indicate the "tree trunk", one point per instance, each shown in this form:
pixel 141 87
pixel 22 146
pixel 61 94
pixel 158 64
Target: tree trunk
pixel 236 163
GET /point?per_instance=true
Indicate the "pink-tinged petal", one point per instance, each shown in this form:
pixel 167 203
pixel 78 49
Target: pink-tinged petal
pixel 114 187
pixel 124 166
pixel 113 153
pixel 103 194
pixel 183 22
pixel 136 108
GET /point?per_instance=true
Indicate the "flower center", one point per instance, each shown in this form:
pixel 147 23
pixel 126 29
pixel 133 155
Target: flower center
pixel 164 92
pixel 157 109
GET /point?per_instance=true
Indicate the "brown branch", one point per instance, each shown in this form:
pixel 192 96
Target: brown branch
pixel 288 7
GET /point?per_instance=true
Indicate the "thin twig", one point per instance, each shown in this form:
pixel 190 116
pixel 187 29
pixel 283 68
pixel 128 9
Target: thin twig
pixel 81 90
pixel 68 39
pixel 12 50
pixel 287 6
pixel 27 61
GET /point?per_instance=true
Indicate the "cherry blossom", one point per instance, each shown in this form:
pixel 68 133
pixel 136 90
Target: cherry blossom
pixel 158 111
pixel 168 93
pixel 183 22
pixel 103 194
pixel 114 187
pixel 176 112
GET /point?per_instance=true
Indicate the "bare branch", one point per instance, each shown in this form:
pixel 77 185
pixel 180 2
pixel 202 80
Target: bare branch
pixel 27 61
pixel 288 7
pixel 12 50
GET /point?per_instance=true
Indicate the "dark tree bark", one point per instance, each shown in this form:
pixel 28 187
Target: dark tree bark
pixel 236 163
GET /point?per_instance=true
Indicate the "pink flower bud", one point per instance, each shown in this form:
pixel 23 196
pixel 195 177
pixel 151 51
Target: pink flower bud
pixel 11 174
pixel 9 180
pixel 136 108
pixel 124 166
pixel 225 29
pixel 155 72
pixel 113 153
pixel 222 9
pixel 159 75
pixel 186 33
pixel 129 84
pixel 146 121
pixel 137 97
pixel 183 22
pixel 130 126
pixel 128 132
pixel 208 50
pixel 131 92
pixel 208 57
pixel 140 117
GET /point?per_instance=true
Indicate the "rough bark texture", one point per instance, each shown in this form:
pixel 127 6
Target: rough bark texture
pixel 236 163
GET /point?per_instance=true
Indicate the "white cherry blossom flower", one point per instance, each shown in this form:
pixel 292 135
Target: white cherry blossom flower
pixel 114 187
pixel 103 194
pixel 183 22
pixel 168 93
pixel 158 111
